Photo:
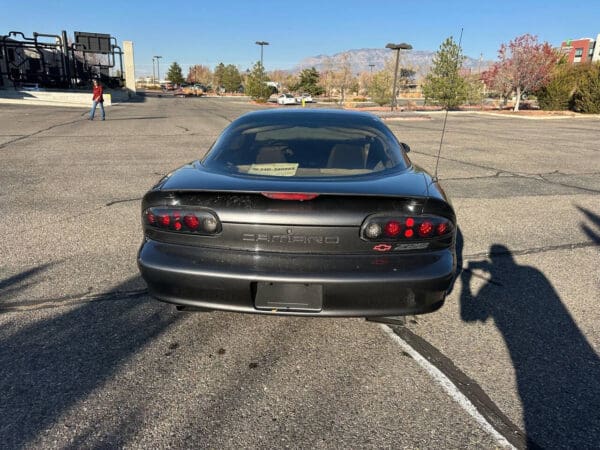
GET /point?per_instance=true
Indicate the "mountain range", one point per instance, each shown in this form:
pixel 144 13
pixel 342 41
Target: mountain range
pixel 360 60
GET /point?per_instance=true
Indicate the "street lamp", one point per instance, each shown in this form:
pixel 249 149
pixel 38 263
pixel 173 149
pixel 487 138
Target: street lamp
pixel 371 66
pixel 158 66
pixel 153 73
pixel 262 44
pixel 397 47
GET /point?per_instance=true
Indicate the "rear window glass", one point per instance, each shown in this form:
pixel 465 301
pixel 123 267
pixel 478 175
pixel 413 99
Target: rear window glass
pixel 324 148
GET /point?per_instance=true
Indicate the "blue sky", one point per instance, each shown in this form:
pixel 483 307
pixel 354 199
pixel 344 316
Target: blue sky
pixel 195 32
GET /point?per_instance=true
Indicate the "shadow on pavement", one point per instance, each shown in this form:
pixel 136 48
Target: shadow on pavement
pixel 11 286
pixel 49 365
pixel 594 235
pixel 557 371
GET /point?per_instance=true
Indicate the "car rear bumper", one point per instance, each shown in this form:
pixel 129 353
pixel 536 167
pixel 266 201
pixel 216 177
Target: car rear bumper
pixel 352 285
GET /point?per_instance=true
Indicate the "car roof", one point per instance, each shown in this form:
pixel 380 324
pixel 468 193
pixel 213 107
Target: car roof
pixel 307 114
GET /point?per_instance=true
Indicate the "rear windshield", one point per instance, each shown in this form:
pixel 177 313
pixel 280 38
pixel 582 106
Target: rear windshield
pixel 323 148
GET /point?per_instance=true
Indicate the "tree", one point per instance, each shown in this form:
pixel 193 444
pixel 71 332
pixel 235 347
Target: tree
pixel 381 87
pixel 218 75
pixel 174 74
pixel 525 65
pixel 498 81
pixel 308 82
pixel 326 76
pixel 444 84
pixel 199 74
pixel 231 78
pixel 255 83
pixel 586 98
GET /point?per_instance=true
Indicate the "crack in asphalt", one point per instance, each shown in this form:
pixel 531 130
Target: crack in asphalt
pixel 596 191
pixel 532 250
pixel 499 172
pixel 114 202
pixel 533 176
pixel 74 299
pixel 26 136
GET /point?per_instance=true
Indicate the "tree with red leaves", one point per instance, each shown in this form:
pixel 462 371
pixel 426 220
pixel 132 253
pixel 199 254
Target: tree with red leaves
pixel 524 65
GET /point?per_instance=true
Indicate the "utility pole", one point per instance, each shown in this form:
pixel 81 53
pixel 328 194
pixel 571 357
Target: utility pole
pixel 397 48
pixel 371 66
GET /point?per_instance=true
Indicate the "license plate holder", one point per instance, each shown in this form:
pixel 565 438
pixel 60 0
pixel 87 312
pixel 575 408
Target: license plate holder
pixel 289 297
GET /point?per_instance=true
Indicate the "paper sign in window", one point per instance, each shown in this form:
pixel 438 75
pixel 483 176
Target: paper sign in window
pixel 275 169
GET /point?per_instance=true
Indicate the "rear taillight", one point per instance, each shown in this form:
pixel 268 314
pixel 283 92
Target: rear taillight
pixel 182 220
pixel 388 228
pixel 300 196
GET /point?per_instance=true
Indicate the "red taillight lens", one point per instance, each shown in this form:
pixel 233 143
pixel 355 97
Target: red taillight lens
pixel 300 196
pixel 191 221
pixel 409 233
pixel 410 222
pixel 442 228
pixel 392 228
pixel 195 221
pixel 164 220
pixel 425 229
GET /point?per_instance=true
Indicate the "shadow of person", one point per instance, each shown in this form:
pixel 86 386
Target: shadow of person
pixel 557 370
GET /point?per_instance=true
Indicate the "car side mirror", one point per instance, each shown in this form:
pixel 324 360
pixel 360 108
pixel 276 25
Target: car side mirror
pixel 405 147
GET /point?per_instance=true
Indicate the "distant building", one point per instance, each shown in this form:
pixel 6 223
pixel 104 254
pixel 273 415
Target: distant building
pixel 581 50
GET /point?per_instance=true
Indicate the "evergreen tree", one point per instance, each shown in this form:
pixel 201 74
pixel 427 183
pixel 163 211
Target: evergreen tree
pixel 218 75
pixel 255 83
pixel 586 98
pixel 174 74
pixel 308 82
pixel 444 84
pixel 231 79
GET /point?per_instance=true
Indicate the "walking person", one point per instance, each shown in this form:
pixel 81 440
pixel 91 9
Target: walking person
pixel 97 99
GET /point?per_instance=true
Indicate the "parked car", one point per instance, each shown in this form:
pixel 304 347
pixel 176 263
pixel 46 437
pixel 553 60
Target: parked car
pixel 306 97
pixel 300 212
pixel 286 99
pixel 189 90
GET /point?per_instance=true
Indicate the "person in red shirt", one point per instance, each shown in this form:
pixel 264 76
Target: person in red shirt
pixel 97 99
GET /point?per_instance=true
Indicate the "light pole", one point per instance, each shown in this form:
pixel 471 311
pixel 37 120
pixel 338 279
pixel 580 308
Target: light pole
pixel 397 47
pixel 158 67
pixel 262 44
pixel 153 73
pixel 371 66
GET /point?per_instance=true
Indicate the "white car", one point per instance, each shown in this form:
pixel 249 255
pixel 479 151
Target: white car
pixel 307 98
pixel 286 99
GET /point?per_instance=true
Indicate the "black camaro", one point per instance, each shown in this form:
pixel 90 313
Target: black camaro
pixel 301 212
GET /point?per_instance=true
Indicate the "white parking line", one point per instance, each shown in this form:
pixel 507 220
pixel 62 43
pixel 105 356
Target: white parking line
pixel 449 387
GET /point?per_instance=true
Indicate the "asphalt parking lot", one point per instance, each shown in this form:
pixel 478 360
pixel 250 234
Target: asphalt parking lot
pixel 87 359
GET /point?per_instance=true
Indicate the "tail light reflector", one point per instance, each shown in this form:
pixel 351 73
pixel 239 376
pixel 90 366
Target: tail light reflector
pixel 393 228
pixel 425 229
pixel 442 228
pixel 192 222
pixel 164 220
